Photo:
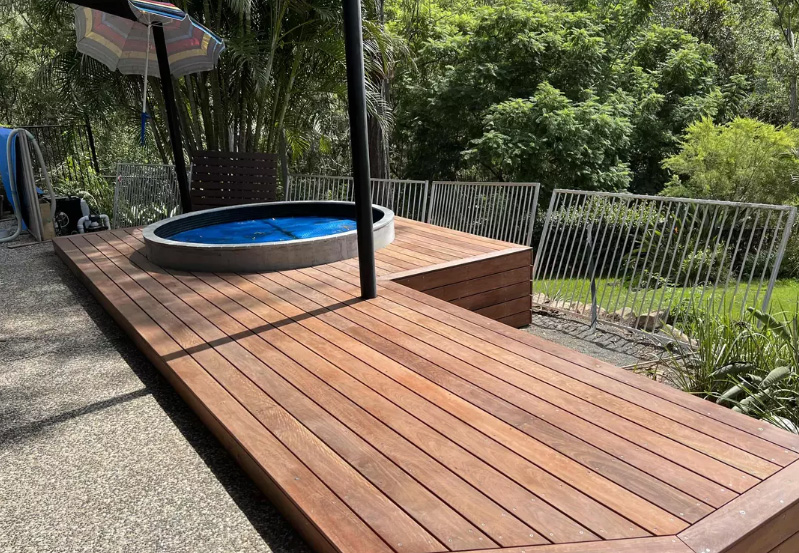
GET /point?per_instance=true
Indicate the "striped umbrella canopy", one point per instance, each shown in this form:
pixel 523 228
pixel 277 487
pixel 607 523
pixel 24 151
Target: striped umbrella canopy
pixel 118 35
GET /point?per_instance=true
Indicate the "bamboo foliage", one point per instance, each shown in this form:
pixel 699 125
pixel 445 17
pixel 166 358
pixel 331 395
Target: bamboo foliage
pixel 283 66
pixel 283 72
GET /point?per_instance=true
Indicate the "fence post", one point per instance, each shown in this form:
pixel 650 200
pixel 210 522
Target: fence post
pixel 786 235
pixel 543 234
pixel 533 214
pixel 592 269
pixel 90 136
pixel 114 213
pixel 425 215
pixel 432 203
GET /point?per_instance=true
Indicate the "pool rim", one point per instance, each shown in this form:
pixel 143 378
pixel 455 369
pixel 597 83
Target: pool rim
pixel 264 256
pixel 149 233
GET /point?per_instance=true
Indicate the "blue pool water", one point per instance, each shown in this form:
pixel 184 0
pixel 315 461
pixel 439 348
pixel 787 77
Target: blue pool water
pixel 274 229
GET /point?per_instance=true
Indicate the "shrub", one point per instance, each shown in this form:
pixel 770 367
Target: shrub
pixel 743 161
pixel 749 365
pixel 96 190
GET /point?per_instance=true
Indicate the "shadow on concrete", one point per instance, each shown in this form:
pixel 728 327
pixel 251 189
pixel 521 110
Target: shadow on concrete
pixel 28 430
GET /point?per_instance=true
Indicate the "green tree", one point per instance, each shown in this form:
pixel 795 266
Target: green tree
pixel 574 144
pixel 753 44
pixel 480 59
pixel 671 76
pixel 477 106
pixel 745 161
pixel 787 19
pixel 282 75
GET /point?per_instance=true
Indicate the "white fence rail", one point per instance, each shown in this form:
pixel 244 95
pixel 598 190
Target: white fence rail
pixel 406 198
pixel 649 262
pixel 500 210
pixel 144 194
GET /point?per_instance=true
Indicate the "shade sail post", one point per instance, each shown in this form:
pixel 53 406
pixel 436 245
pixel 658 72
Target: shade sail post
pixel 172 116
pixel 356 95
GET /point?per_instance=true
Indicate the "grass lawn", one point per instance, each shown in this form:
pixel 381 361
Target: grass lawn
pixel 612 295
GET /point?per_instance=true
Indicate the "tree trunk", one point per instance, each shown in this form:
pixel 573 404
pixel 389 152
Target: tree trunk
pixel 791 39
pixel 378 148
pixel 212 133
pixel 196 116
pixel 189 139
pixel 378 141
pixel 159 142
pixel 286 98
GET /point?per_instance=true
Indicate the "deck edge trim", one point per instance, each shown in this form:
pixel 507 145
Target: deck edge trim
pixel 721 530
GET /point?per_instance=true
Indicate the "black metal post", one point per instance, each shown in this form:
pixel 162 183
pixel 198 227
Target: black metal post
pixel 90 137
pixel 356 95
pixel 172 116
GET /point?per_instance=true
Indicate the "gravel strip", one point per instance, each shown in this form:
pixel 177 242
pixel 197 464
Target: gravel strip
pixel 623 348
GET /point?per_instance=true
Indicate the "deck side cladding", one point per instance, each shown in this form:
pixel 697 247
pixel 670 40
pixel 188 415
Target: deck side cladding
pixel 495 285
pixel 408 424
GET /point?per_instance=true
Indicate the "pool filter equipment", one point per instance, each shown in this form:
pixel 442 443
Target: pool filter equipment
pixel 73 216
pixel 92 223
pixel 68 213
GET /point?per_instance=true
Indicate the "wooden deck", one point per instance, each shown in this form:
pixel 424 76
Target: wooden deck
pixel 409 423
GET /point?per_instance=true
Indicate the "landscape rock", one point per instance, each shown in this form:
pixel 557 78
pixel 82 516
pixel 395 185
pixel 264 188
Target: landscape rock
pixel 625 314
pixel 676 334
pixel 561 304
pixel 585 309
pixel 651 321
pixel 540 299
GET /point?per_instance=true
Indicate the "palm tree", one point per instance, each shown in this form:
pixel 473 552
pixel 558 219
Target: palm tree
pixel 282 75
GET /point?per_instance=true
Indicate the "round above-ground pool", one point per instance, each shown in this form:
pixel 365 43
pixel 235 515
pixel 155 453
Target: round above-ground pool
pixel 262 237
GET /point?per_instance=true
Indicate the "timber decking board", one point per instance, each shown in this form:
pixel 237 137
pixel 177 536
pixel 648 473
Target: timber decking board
pixel 445 423
pixel 647 545
pixel 550 410
pixel 550 380
pixel 491 297
pixel 560 358
pixel 752 516
pixel 791 545
pixel 407 423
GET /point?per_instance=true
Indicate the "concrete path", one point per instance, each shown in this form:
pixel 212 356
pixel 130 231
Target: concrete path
pixel 97 452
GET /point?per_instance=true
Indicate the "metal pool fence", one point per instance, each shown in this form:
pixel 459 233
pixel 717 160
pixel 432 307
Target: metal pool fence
pixel 505 211
pixel 144 194
pixel 649 262
pixel 499 210
pixel 68 151
pixel 406 198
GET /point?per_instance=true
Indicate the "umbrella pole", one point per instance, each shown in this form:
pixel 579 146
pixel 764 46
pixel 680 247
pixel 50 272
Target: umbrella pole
pixel 356 95
pixel 172 116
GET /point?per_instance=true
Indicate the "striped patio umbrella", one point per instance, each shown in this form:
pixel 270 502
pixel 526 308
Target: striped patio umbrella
pixel 118 33
pixel 123 41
